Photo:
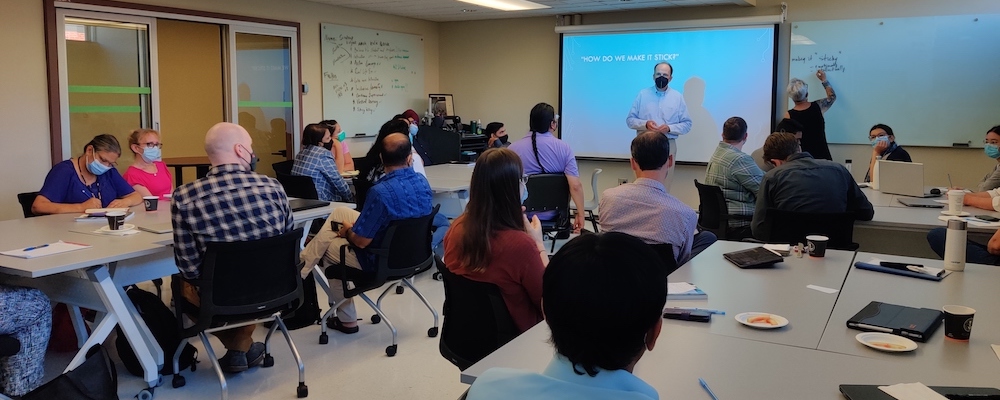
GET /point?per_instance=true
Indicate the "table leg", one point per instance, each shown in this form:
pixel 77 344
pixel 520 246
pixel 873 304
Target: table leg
pixel 201 171
pixel 178 176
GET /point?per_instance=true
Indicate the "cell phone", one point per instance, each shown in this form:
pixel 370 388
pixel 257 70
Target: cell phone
pixel 687 315
pixel 335 226
pixel 988 218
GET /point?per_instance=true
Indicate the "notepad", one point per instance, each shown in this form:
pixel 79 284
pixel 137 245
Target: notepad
pixel 98 215
pixel 45 250
pixel 684 291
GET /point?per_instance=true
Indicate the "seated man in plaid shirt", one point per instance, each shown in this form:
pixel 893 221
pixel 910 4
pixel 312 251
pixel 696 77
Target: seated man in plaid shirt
pixel 232 203
pixel 737 175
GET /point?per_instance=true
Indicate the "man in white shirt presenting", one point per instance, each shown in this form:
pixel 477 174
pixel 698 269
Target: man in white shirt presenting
pixel 661 109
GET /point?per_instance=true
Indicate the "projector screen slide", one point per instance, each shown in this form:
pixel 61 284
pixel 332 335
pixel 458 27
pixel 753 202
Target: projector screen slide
pixel 721 73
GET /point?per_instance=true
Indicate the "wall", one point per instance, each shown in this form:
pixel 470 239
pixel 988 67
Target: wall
pixel 23 102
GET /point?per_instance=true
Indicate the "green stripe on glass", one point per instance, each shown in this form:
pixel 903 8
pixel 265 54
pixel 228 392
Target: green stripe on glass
pixel 105 109
pixel 266 104
pixel 109 89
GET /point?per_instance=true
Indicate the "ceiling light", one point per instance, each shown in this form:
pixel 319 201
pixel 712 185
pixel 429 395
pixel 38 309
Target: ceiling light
pixel 507 5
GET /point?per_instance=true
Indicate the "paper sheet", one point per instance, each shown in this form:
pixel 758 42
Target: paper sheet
pixel 679 287
pixel 912 391
pixel 928 270
pixel 51 248
pixel 996 349
pixel 972 221
pixel 822 289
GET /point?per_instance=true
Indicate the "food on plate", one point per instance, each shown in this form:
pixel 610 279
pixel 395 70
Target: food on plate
pixel 762 319
pixel 890 346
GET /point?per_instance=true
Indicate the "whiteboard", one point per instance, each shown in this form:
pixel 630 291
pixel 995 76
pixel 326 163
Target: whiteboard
pixel 934 80
pixel 369 76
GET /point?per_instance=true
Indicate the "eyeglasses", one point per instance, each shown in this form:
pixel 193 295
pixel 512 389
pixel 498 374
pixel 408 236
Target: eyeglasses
pixel 872 137
pixel 151 145
pixel 993 142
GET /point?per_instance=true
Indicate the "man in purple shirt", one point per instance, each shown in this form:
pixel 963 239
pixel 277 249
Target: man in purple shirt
pixel 543 153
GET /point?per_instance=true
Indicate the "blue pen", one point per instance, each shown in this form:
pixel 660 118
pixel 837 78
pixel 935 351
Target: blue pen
pixel 717 312
pixel 707 389
pixel 36 247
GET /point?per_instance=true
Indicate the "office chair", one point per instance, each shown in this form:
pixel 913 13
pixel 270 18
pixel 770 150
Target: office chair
pixel 713 213
pixel 793 227
pixel 242 283
pixel 590 205
pixel 442 146
pixel 405 251
pixel 283 167
pixel 26 199
pixel 302 187
pixel 550 192
pixel 476 320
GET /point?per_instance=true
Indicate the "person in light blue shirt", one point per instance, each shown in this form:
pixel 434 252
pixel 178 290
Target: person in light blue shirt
pixel 592 360
pixel 660 109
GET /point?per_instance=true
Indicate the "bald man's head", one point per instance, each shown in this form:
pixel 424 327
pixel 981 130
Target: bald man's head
pixel 395 150
pixel 228 143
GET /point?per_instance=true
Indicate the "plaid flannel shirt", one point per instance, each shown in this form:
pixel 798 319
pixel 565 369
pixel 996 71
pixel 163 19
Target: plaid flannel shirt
pixel 317 163
pixel 736 173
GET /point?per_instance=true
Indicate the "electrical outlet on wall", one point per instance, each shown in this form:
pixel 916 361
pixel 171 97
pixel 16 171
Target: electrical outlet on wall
pixel 622 181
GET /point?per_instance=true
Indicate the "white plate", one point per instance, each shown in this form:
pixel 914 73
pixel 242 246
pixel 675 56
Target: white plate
pixel 961 214
pixel 124 228
pixel 778 320
pixel 886 342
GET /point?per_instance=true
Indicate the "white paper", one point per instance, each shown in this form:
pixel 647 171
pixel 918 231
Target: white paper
pixel 875 261
pixel 944 201
pixel 679 287
pixel 996 349
pixel 972 221
pixel 104 210
pixel 912 391
pixel 822 289
pixel 52 248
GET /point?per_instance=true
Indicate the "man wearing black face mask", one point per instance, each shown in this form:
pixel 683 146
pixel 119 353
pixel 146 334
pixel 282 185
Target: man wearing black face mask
pixel 661 109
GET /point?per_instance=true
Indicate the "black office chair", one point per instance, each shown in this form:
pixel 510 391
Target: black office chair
pixel 283 167
pixel 26 200
pixel 476 320
pixel 666 252
pixel 242 283
pixel 302 187
pixel 793 227
pixel 550 192
pixel 713 213
pixel 405 251
pixel 442 146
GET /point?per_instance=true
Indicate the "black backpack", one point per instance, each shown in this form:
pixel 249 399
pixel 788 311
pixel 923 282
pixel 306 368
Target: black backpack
pixel 163 325
pixel 308 313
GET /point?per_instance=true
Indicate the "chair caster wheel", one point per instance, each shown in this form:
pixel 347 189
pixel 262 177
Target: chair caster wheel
pixel 432 332
pixel 178 381
pixel 268 361
pixel 324 338
pixel 399 290
pixel 437 276
pixel 145 394
pixel 390 351
pixel 302 391
pixel 376 319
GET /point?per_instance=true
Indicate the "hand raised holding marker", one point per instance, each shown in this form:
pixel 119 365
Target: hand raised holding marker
pixel 821 74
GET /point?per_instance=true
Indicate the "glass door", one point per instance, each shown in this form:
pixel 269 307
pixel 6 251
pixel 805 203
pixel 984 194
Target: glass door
pixel 107 68
pixel 264 78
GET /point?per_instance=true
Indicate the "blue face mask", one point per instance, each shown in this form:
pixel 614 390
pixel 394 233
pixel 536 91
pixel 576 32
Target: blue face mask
pixel 341 136
pixel 879 139
pixel 95 167
pixel 151 154
pixel 524 193
pixel 413 130
pixel 992 150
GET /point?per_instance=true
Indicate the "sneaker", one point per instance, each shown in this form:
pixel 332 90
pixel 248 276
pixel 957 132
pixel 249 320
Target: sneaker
pixel 234 361
pixel 335 323
pixel 255 355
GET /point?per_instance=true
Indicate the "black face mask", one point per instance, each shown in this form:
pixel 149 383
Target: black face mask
pixel 661 82
pixel 253 159
pixel 328 145
pixel 502 139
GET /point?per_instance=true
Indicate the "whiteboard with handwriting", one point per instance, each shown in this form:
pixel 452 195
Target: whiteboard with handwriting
pixel 934 80
pixel 369 76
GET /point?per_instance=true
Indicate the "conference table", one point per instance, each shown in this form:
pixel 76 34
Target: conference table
pixel 94 277
pixel 890 214
pixel 816 352
pixel 450 184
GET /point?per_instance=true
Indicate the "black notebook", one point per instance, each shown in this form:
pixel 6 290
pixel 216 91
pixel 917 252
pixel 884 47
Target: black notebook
pixel 306 204
pixel 872 392
pixel 757 257
pixel 915 323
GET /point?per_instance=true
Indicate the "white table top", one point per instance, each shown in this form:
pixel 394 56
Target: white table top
pixel 449 177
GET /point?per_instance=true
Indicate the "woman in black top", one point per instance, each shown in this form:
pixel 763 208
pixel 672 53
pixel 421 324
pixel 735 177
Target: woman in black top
pixel 810 115
pixel 884 147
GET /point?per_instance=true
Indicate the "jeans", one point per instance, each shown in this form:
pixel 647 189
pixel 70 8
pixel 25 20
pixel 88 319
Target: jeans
pixel 975 253
pixel 441 225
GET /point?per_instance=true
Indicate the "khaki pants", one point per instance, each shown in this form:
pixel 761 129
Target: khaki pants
pixel 326 247
pixel 233 339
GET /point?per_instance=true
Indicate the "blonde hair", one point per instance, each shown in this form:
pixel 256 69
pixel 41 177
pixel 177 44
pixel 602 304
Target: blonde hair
pixel 134 137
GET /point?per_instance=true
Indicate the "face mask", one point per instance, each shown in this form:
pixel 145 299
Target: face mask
pixel 524 193
pixel 992 150
pixel 502 139
pixel 879 139
pixel 413 130
pixel 341 136
pixel 661 82
pixel 151 154
pixel 328 145
pixel 95 167
pixel 253 159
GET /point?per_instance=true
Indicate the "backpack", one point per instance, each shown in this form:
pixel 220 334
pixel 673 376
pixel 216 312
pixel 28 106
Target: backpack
pixel 163 325
pixel 95 379
pixel 308 313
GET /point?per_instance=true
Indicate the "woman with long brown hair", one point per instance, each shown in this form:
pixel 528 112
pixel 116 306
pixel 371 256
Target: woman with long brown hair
pixel 494 242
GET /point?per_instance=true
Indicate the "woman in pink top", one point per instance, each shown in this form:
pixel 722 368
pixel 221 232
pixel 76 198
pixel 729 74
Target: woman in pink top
pixel 148 175
pixel 341 153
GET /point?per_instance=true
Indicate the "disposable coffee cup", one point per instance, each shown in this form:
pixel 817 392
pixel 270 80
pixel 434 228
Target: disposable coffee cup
pixel 151 202
pixel 115 220
pixel 955 201
pixel 958 322
pixel 816 245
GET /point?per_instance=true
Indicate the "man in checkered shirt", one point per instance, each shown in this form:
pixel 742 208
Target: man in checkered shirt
pixel 232 203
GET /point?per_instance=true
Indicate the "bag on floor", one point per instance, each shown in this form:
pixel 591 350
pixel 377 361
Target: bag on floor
pixel 163 325
pixel 95 379
pixel 308 313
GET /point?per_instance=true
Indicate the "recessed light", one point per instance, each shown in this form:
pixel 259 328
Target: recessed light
pixel 507 5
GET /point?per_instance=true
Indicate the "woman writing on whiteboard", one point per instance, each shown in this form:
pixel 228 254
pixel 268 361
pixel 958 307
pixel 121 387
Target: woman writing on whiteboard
pixel 810 115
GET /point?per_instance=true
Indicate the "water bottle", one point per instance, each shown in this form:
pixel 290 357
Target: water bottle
pixel 954 245
pixel 847 164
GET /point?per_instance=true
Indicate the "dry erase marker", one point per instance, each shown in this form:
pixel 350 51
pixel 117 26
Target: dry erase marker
pixel 707 389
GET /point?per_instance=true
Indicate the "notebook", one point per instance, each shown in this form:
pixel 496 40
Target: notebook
pixel 915 202
pixel 94 215
pixel 757 257
pixel 306 204
pixel 872 392
pixel 45 249
pixel 684 291
pixel 915 323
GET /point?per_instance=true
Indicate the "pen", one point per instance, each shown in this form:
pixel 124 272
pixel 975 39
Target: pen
pixel 36 247
pixel 949 182
pixel 718 312
pixel 707 389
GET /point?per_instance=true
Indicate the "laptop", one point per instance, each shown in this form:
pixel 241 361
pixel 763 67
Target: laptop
pixel 914 323
pixel 903 178
pixel 757 257
pixel 165 227
pixel 306 204
pixel 872 392
pixel 919 202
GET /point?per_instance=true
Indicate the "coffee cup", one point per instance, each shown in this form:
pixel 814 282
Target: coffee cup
pixel 816 245
pixel 115 220
pixel 151 202
pixel 958 322
pixel 956 198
